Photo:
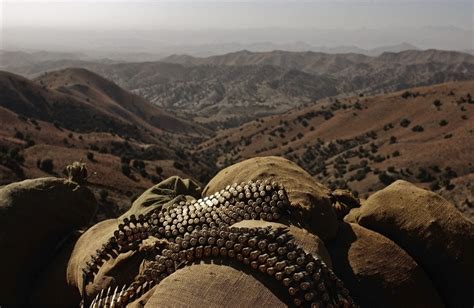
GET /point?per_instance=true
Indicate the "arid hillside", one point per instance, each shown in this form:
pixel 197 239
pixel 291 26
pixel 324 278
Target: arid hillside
pixel 74 115
pixel 109 97
pixel 423 135
pixel 228 90
pixel 389 71
pixel 231 89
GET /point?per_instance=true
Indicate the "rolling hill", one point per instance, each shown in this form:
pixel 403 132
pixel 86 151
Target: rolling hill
pixel 73 115
pixel 361 142
pixel 423 135
pixel 112 99
pixel 231 89
pixel 224 94
pixel 389 71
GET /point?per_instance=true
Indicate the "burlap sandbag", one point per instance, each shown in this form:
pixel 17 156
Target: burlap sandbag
pixel 213 285
pixel 124 268
pixel 162 193
pixel 53 280
pixel 119 270
pixel 432 231
pixel 311 201
pixel 352 216
pixel 377 272
pixel 35 216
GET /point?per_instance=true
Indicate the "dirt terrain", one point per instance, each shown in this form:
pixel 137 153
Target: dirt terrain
pixel 72 115
pixel 228 90
pixel 423 135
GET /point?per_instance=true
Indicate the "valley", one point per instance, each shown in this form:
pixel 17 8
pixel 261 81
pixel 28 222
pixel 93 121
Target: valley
pixel 351 124
pixel 228 90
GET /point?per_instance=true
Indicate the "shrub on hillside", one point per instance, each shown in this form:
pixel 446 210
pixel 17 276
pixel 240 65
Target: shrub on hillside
pixel 406 94
pixel 386 179
pixel 90 156
pixel 46 165
pixel 138 164
pixel 125 159
pixel 19 135
pixel 424 176
pixel 417 128
pixel 126 170
pixel 404 123
pixel 178 165
pixel 443 123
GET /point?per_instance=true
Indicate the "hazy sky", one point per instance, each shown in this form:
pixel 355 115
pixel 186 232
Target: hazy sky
pixel 182 14
pixel 151 25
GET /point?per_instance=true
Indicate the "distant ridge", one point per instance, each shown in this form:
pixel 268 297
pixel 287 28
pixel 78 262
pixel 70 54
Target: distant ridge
pixel 318 62
pixel 230 89
pixel 80 100
pixel 107 95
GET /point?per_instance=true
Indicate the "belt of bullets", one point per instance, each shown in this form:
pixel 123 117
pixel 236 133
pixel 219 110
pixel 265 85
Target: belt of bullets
pixel 196 230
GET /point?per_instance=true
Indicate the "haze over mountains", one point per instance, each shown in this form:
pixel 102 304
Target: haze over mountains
pixel 227 90
pixel 152 45
pixel 136 123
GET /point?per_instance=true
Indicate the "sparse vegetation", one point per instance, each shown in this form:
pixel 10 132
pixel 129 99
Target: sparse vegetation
pixel 443 123
pixel 90 156
pixel 404 123
pixel 126 170
pixel 46 165
pixel 386 179
pixel 406 94
pixel 417 128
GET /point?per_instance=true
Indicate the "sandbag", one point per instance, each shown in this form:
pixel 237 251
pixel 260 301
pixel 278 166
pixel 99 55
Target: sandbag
pixel 53 280
pixel 343 201
pixel 311 201
pixel 432 231
pixel 212 285
pixel 352 216
pixel 115 271
pixel 377 272
pixel 122 270
pixel 84 248
pixel 162 193
pixel 35 216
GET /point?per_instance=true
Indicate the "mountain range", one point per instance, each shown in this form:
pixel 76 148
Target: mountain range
pixel 230 89
pixel 137 123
